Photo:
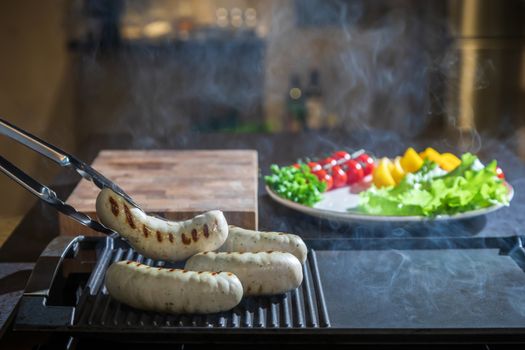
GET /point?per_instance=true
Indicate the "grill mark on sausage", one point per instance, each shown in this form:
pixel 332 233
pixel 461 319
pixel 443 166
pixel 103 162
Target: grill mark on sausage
pixel 114 206
pixel 145 230
pixel 184 271
pixel 128 262
pixel 194 235
pixel 185 240
pixel 129 218
pixel 159 236
pixel 206 231
pixel 213 273
pixel 230 274
pixel 200 272
pixel 170 237
pixel 269 251
pixel 171 270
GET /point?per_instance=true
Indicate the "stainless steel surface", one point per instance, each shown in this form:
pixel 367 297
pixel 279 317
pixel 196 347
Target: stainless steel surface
pixel 33 142
pixel 48 264
pixel 486 89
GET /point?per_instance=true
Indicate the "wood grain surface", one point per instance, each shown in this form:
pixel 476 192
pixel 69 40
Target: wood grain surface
pixel 175 184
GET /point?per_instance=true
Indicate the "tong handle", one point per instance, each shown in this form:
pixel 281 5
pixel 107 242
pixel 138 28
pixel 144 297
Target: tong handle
pixel 34 143
pixel 62 158
pixel 43 192
pixel 49 196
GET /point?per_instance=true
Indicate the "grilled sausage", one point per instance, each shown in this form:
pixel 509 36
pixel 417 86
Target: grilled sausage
pixel 242 240
pixel 157 238
pixel 260 273
pixel 172 290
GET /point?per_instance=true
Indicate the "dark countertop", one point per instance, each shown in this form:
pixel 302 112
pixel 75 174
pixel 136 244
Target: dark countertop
pixel 13 278
pixel 41 224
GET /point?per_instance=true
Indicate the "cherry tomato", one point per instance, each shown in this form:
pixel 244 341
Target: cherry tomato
pixel 367 163
pixel 329 182
pixel 322 175
pixel 339 175
pixel 369 169
pixel 499 173
pixel 328 162
pixel 314 166
pixel 296 165
pixel 354 172
pixel 341 155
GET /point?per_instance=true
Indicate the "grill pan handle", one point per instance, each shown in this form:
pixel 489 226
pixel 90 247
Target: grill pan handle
pixel 33 311
pixel 47 265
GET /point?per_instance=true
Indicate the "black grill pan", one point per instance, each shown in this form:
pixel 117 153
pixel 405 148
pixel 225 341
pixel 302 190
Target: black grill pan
pixel 76 301
pixel 66 296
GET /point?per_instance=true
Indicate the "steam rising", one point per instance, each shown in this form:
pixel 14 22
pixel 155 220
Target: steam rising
pixel 387 65
pixel 383 65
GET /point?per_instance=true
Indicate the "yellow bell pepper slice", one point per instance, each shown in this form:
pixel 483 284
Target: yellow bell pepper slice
pixel 452 162
pixel 436 157
pixel 381 175
pixel 397 170
pixel 411 161
pixel 431 154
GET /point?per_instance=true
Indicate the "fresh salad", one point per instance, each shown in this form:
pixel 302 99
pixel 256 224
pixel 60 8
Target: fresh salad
pixel 428 183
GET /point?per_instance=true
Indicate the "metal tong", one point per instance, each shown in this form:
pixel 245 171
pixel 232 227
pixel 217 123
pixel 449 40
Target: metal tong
pixel 63 159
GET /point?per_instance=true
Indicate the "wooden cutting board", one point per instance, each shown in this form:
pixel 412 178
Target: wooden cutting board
pixel 175 184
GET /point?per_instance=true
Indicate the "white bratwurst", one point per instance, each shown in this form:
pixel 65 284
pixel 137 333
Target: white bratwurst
pixel 172 290
pixel 161 239
pixel 242 240
pixel 260 273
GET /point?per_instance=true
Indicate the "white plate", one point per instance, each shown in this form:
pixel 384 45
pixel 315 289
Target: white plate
pixel 335 205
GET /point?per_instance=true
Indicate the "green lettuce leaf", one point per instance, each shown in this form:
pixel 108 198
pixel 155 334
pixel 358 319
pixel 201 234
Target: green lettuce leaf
pixel 429 192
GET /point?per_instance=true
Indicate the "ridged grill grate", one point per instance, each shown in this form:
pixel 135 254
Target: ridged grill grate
pixel 302 308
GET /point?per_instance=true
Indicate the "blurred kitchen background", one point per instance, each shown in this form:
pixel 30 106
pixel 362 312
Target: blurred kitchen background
pixel 152 70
